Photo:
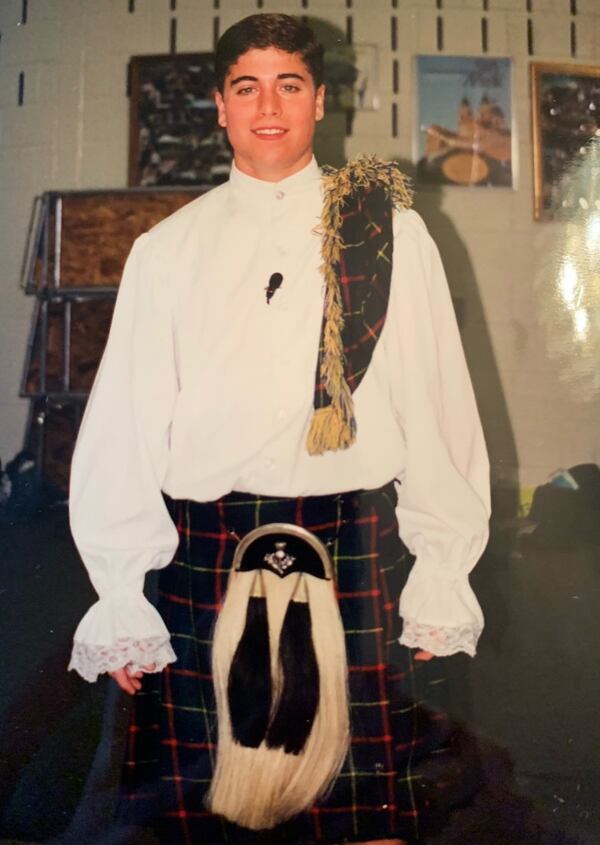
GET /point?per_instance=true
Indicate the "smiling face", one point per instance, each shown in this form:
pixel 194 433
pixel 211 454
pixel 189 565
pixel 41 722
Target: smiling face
pixel 269 107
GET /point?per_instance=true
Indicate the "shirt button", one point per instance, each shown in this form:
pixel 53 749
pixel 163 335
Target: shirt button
pixel 281 414
pixel 279 195
pixel 269 463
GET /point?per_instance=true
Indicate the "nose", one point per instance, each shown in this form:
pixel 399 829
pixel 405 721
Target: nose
pixel 269 104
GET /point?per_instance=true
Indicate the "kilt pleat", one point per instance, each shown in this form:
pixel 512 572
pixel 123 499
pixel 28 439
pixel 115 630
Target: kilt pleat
pixel 172 735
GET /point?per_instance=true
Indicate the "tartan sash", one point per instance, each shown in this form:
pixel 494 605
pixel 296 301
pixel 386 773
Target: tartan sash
pixel 357 246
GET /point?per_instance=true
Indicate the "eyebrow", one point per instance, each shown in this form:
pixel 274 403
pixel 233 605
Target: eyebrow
pixel 247 78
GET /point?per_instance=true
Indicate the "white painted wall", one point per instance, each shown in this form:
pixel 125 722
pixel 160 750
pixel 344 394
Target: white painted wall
pixel 72 132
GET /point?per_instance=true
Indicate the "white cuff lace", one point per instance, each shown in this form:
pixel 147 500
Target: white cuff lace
pixel 91 660
pixel 440 641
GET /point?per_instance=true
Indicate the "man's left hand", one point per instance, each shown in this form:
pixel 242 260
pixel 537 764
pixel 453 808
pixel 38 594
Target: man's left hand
pixel 424 655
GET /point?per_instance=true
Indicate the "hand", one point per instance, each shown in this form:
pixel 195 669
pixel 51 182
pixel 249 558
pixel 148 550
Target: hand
pixel 424 655
pixel 128 680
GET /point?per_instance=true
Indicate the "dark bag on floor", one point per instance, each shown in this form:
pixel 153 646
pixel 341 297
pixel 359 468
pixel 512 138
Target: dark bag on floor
pixel 20 489
pixel 567 516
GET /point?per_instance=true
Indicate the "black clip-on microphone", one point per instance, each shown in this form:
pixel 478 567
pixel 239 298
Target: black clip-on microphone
pixel 274 284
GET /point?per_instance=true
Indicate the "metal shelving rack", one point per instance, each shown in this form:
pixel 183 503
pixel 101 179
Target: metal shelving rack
pixel 57 393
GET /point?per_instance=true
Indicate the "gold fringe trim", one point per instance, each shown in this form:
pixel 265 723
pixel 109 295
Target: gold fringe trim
pixel 333 426
pixel 328 432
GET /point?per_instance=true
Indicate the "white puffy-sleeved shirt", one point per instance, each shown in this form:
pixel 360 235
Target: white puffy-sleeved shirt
pixel 204 389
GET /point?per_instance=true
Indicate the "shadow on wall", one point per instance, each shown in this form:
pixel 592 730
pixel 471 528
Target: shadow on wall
pixel 340 76
pixel 465 289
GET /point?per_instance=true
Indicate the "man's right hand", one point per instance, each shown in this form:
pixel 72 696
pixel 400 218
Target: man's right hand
pixel 130 681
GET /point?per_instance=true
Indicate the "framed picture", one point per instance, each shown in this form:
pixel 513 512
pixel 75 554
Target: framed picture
pixel 566 135
pixel 464 125
pixel 174 138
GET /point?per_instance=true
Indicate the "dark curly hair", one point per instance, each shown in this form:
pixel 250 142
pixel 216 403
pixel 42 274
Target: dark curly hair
pixel 257 32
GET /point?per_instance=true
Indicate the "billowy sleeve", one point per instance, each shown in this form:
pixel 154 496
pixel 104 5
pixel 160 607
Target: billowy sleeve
pixel 443 494
pixel 119 520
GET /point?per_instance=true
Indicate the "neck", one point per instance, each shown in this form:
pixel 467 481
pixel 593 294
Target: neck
pixel 272 174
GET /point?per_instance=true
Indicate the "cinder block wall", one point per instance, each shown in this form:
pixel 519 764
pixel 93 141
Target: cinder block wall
pixel 71 131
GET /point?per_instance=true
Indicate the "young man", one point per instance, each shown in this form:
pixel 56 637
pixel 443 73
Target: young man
pixel 232 382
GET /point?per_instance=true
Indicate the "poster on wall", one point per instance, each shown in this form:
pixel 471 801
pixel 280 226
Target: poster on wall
pixel 464 124
pixel 174 138
pixel 566 138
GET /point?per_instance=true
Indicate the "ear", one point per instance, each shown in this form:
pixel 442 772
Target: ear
pixel 221 111
pixel 320 102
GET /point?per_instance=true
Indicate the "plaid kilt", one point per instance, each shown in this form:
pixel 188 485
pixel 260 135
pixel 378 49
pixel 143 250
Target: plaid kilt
pixel 172 733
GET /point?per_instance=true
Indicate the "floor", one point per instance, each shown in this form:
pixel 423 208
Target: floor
pixel 526 709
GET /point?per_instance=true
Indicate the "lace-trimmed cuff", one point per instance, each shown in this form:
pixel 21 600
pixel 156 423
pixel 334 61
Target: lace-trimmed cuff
pixel 92 660
pixel 441 641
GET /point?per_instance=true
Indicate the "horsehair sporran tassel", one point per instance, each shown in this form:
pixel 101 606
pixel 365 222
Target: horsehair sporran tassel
pixel 294 711
pixel 261 787
pixel 250 674
pixel 325 750
pixel 245 780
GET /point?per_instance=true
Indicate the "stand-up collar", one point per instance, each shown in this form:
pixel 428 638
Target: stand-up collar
pixel 250 186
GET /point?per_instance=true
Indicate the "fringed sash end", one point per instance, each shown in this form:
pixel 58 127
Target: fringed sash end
pixel 329 431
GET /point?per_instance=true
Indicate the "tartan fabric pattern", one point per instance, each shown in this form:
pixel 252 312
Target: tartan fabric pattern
pixel 364 273
pixel 172 734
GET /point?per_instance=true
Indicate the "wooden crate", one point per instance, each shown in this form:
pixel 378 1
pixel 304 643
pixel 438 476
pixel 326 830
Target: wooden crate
pixel 80 239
